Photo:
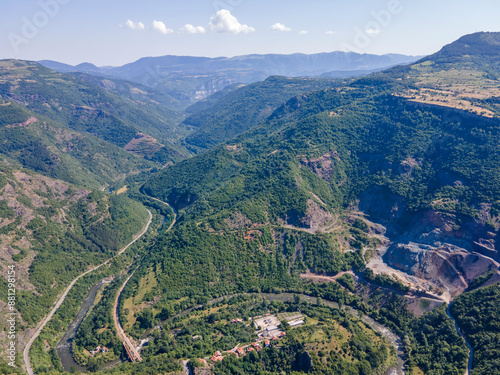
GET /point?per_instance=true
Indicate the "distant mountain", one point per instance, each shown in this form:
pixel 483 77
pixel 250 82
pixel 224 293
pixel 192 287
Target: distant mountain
pixel 188 78
pixel 478 45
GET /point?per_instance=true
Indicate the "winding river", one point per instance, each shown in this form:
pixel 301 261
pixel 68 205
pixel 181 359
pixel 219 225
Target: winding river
pixel 59 302
pixel 64 347
pixel 471 349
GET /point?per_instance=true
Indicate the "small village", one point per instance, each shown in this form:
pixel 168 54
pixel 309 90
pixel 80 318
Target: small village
pixel 267 329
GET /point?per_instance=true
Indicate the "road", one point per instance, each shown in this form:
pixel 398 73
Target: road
pixel 412 294
pixel 47 318
pixel 131 350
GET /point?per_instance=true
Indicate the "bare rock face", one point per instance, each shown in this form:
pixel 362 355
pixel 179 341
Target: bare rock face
pixel 431 247
pixel 430 227
pixel 446 265
pixel 323 166
pixel 317 217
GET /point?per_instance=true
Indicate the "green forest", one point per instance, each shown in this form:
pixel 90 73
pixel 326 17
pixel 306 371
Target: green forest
pixel 272 189
pixel 478 314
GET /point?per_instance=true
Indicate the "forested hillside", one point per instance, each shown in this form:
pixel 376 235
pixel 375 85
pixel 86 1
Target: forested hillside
pixel 53 230
pixel 294 193
pixel 376 199
pixel 89 108
pixel 246 107
pixel 478 314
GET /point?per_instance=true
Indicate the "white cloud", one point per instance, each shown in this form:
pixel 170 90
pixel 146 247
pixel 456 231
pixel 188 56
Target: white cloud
pixel 190 29
pixel 373 31
pixel 225 22
pixel 280 27
pixel 161 28
pixel 303 32
pixel 330 32
pixel 134 25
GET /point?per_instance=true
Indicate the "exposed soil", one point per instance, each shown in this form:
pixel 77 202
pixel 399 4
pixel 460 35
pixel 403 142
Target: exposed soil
pixel 143 146
pixel 427 250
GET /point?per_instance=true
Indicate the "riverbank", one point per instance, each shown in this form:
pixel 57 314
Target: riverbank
pixel 64 349
pixel 471 349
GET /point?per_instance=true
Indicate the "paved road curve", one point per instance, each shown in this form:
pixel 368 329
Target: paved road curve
pixel 45 320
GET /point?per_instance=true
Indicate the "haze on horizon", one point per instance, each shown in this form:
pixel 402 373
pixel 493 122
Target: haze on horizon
pixel 117 32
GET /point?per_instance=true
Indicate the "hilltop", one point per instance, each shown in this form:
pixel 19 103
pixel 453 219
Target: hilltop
pixel 462 75
pixel 79 128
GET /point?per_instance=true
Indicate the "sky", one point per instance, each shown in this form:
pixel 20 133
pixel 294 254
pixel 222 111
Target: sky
pixel 116 32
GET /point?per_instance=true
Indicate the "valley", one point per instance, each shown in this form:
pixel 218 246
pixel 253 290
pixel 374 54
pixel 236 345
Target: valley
pixel 153 220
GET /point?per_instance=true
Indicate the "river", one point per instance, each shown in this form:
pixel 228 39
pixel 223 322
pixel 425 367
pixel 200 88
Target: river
pixel 64 347
pixel 471 349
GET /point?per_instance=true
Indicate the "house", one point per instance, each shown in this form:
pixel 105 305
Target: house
pixel 267 343
pixel 97 350
pixel 217 356
pixel 240 351
pixel 105 350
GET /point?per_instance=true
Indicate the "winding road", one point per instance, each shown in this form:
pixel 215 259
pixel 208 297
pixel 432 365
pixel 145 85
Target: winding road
pixel 47 318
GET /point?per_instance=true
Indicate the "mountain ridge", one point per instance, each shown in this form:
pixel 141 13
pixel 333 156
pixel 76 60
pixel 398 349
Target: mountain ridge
pixel 187 77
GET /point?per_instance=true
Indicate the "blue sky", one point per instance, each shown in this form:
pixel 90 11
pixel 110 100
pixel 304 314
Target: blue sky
pixel 115 32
